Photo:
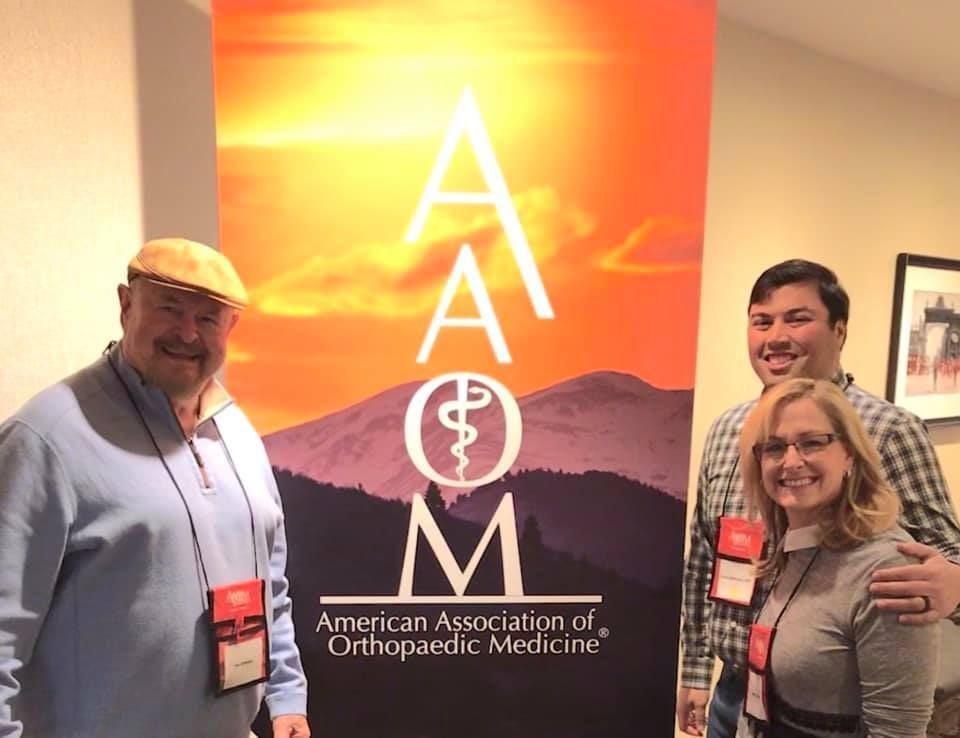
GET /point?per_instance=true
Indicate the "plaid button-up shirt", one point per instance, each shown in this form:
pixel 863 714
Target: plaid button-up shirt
pixel 712 628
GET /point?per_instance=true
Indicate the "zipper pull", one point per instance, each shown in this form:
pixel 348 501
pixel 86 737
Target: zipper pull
pixel 200 465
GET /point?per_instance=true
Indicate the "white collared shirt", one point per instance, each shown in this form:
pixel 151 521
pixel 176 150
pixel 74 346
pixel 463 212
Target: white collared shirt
pixel 798 538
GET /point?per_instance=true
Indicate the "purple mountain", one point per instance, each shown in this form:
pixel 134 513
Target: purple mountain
pixel 604 421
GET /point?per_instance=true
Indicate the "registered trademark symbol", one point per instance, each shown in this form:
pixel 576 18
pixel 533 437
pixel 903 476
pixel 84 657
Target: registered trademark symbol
pixel 603 632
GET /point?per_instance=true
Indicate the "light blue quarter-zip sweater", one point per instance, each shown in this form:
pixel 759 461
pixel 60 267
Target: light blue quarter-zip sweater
pixel 103 624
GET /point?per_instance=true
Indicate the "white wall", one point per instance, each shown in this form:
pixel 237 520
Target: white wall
pixel 815 158
pixel 69 184
pixel 99 133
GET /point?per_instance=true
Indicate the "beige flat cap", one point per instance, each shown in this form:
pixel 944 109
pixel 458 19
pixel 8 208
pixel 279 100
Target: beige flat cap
pixel 188 265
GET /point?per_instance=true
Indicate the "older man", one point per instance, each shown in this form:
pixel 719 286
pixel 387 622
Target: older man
pixel 142 549
pixel 797 325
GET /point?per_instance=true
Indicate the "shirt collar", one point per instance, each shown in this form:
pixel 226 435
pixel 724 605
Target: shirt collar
pixel 798 538
pixel 213 398
pixel 842 379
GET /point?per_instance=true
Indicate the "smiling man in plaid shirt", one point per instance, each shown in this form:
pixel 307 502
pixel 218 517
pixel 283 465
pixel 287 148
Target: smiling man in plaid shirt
pixel 797 327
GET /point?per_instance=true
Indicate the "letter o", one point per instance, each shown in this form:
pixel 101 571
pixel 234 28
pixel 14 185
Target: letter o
pixel 330 646
pixel 412 429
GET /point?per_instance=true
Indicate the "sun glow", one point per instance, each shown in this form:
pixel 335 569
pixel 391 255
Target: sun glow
pixel 330 119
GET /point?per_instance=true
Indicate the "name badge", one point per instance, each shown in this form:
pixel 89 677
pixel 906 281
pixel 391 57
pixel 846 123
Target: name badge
pixel 758 671
pixel 239 624
pixel 739 544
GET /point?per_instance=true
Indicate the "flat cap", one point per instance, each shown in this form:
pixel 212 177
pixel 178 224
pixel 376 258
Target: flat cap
pixel 188 265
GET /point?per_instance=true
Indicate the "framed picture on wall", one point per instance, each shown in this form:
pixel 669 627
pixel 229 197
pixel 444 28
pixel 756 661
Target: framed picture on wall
pixel 923 374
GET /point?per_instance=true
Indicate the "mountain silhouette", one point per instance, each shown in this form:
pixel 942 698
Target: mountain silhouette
pixel 344 541
pixel 604 421
pixel 615 522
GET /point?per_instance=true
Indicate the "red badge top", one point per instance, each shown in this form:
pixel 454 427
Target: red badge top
pixel 741 539
pixel 237 603
pixel 761 637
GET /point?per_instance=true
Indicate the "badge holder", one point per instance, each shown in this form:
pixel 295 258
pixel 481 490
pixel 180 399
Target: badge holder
pixel 739 545
pixel 239 625
pixel 756 704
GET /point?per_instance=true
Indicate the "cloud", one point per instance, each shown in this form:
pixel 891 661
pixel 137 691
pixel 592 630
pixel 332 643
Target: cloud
pixel 267 47
pixel 400 280
pixel 286 7
pixel 659 244
pixel 535 33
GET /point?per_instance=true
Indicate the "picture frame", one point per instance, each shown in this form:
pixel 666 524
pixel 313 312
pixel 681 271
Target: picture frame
pixel 923 371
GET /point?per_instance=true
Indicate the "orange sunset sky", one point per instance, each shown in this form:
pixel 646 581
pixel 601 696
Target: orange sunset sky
pixel 330 117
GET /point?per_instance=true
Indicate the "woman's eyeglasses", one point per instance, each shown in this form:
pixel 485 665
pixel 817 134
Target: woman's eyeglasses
pixel 775 449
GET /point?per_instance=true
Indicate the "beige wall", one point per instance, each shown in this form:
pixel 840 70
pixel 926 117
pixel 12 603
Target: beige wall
pixel 69 193
pixel 819 159
pixel 816 158
pixel 105 106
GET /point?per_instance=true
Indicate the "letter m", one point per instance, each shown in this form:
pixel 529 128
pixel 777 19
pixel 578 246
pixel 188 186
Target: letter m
pixel 504 518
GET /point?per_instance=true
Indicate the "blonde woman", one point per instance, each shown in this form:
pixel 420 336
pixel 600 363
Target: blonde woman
pixel 823 660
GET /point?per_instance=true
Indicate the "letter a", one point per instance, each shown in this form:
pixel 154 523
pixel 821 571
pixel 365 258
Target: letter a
pixel 467 120
pixel 466 267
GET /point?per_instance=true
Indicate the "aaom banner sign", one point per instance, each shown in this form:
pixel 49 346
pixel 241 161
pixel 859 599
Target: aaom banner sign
pixel 472 233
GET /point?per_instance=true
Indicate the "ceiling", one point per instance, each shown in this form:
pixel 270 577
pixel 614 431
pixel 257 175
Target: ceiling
pixel 912 40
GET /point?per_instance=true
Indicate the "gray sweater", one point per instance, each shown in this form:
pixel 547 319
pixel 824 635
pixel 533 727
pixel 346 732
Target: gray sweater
pixel 837 658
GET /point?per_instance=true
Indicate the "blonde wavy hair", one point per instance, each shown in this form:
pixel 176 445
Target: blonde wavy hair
pixel 867 504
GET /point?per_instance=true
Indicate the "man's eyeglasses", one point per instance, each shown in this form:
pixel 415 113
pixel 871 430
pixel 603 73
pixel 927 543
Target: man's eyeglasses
pixel 775 449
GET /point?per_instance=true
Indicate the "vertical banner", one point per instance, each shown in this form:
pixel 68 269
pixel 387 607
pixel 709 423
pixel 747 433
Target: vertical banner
pixel 472 235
